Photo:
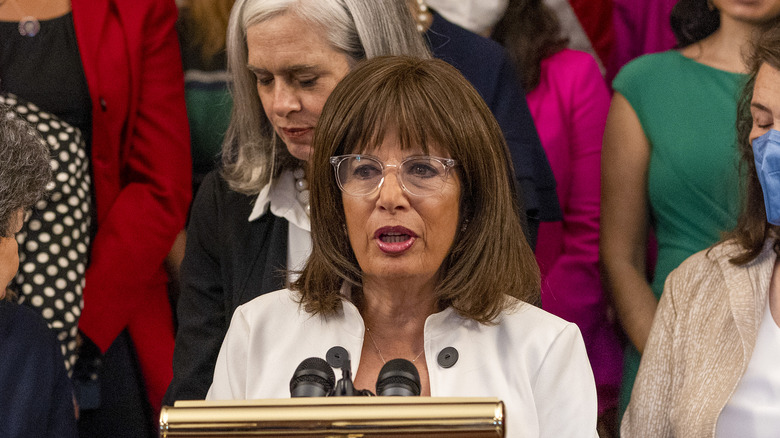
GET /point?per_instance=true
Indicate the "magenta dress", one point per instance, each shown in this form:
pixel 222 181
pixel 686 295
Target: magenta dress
pixel 569 107
pixel 640 27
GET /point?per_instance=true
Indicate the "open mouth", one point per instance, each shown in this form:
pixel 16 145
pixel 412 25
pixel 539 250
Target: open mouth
pixel 394 240
pixel 394 237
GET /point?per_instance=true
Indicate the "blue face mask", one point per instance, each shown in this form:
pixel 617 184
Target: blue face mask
pixel 766 152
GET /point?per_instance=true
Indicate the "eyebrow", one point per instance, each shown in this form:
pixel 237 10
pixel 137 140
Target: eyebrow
pixel 760 107
pixel 288 71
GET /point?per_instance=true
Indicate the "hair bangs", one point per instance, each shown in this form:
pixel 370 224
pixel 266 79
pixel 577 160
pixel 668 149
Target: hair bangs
pixel 406 104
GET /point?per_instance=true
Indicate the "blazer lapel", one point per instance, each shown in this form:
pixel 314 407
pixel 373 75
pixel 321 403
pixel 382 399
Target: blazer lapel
pixel 265 267
pixel 89 16
pixel 748 287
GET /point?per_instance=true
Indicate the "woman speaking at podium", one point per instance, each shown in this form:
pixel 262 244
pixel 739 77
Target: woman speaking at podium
pixel 418 253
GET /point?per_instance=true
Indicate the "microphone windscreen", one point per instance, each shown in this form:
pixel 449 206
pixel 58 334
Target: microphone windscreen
pixel 398 377
pixel 313 378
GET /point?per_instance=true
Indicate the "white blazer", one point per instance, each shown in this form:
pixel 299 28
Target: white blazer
pixel 533 361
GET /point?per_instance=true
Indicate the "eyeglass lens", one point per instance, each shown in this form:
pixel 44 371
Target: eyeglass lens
pixel 361 175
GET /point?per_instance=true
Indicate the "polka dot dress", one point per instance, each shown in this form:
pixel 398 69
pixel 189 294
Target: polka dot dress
pixel 54 242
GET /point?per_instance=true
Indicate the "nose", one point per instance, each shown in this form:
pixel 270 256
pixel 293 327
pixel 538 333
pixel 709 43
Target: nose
pixel 392 197
pixel 285 100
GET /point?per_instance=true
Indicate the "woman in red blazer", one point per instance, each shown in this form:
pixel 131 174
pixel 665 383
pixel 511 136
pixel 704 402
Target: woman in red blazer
pixel 140 158
pixel 142 170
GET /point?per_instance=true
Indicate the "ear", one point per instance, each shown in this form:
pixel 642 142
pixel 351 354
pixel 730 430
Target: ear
pixel 17 220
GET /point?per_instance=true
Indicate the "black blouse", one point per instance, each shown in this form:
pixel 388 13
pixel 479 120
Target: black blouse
pixel 46 70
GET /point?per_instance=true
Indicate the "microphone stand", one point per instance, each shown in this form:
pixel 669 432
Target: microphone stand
pixel 338 357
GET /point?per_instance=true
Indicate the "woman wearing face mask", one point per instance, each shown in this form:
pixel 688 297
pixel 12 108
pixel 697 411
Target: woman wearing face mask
pixel 478 16
pixel 669 159
pixel 710 365
pixel 250 220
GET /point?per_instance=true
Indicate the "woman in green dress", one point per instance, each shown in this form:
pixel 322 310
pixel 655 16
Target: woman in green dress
pixel 669 159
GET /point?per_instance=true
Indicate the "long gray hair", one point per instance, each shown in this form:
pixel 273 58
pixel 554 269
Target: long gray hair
pixel 361 29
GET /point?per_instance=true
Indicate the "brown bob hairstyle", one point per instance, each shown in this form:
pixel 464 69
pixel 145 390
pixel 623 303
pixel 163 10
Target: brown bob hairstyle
pixel 752 228
pixel 425 102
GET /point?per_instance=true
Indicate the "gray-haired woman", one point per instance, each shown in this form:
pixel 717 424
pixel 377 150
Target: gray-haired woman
pixel 249 223
pixel 37 396
pixel 24 173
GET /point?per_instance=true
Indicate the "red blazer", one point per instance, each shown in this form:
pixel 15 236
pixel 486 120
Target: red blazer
pixel 142 173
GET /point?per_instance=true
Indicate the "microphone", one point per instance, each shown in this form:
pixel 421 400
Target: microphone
pixel 398 377
pixel 313 378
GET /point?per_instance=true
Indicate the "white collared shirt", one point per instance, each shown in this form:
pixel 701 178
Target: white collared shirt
pixel 281 196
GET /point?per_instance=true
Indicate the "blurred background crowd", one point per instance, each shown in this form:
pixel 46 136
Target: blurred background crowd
pixel 178 137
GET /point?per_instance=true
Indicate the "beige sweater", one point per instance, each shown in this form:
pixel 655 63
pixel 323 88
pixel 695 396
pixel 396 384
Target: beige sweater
pixel 700 344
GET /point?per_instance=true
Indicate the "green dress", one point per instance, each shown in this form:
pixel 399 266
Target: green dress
pixel 688 113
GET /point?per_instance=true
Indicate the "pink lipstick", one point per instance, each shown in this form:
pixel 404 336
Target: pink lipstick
pixel 394 240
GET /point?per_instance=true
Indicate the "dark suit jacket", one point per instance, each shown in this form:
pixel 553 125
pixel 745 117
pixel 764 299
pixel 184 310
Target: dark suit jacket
pixel 488 68
pixel 37 398
pixel 228 261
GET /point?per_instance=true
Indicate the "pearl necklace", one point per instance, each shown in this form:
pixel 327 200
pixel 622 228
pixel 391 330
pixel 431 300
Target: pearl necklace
pixel 422 17
pixel 368 330
pixel 302 186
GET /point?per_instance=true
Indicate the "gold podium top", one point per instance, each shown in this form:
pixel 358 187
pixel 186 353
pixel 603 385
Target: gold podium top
pixel 348 417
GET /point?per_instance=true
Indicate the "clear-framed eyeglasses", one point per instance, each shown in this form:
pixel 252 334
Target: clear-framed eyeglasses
pixel 362 175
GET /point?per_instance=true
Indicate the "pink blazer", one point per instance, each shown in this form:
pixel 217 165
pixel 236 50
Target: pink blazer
pixel 569 107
